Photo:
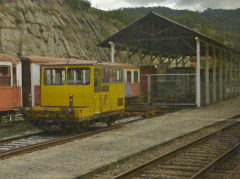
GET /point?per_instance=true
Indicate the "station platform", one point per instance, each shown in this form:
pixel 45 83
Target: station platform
pixel 82 156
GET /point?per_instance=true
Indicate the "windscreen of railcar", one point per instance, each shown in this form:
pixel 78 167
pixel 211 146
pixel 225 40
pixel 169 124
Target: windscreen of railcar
pixel 78 76
pixel 55 76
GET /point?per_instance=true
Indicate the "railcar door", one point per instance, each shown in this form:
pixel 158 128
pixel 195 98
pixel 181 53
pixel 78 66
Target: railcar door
pixel 105 101
pixel 101 90
pixel 97 91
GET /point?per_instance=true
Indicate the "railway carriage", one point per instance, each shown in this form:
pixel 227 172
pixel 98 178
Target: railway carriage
pixel 31 81
pixel 10 86
pixel 79 93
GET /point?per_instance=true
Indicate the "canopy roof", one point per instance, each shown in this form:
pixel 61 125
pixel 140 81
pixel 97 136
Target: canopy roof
pixel 159 35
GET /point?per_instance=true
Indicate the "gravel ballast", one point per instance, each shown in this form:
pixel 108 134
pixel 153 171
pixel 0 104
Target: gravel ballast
pixel 82 156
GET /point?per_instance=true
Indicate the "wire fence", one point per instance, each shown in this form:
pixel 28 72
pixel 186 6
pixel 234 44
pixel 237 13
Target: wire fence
pixel 169 89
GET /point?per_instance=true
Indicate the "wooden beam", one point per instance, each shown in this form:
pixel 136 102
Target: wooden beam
pixel 158 39
pixel 188 45
pixel 156 33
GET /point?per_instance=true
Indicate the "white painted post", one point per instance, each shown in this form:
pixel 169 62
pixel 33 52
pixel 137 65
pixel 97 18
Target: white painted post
pixel 225 76
pixel 149 88
pixel 214 76
pixel 207 75
pixel 198 73
pixel 112 51
pixel 19 79
pixel 220 76
pixel 11 74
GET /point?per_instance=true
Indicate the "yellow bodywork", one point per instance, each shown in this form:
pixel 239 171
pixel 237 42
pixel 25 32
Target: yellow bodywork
pixel 86 102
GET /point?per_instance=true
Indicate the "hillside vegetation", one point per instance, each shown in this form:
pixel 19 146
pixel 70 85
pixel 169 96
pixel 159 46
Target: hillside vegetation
pixel 222 25
pixel 70 28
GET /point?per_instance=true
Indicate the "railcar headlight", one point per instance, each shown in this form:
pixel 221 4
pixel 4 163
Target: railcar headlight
pixel 71 100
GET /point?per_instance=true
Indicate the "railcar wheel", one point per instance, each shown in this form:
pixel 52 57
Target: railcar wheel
pixel 110 122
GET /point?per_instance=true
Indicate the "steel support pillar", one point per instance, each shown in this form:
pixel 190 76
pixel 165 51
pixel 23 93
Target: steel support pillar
pixel 149 88
pixel 214 76
pixel 207 75
pixel 198 73
pixel 225 76
pixel 112 46
pixel 220 79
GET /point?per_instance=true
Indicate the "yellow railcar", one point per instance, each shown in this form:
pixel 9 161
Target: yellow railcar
pixel 77 94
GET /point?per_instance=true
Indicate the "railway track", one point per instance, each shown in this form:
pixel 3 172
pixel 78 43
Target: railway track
pixel 191 160
pixel 227 167
pixel 33 142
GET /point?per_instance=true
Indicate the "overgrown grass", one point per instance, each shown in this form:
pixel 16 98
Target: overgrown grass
pixel 19 128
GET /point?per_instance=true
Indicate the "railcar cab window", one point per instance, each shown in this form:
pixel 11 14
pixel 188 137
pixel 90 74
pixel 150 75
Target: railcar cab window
pixel 129 77
pixel 112 76
pixel 97 87
pixel 54 76
pixel 136 77
pixel 79 76
pixel 119 74
pixel 106 75
pixel 5 76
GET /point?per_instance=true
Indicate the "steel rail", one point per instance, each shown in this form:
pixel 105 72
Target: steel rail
pixel 148 164
pixel 202 171
pixel 61 140
pixel 8 140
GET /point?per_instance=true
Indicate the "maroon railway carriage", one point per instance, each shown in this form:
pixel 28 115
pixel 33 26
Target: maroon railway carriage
pixel 10 86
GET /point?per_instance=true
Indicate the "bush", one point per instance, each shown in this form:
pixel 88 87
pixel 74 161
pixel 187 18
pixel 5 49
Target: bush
pixel 78 4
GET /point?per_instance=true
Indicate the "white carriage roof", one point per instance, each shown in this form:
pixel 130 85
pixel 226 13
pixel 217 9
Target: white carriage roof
pixel 8 58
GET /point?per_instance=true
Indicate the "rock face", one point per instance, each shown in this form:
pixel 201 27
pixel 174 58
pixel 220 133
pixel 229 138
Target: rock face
pixel 51 28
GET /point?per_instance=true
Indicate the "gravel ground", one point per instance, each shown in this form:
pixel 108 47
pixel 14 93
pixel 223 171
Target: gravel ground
pixel 138 159
pixel 79 157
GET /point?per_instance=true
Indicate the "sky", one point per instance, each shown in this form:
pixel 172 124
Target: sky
pixel 175 4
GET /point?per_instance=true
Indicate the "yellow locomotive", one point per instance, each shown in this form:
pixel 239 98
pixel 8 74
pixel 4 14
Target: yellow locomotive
pixel 79 93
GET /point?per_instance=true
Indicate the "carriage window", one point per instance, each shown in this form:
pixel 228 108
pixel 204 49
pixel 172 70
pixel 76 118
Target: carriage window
pixel 5 76
pixel 79 76
pixel 113 76
pixel 106 75
pixel 119 76
pixel 97 80
pixel 129 77
pixel 54 76
pixel 135 76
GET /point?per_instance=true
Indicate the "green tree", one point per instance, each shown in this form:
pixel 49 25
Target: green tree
pixel 78 4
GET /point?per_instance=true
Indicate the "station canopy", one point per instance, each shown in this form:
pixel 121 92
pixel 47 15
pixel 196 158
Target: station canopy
pixel 160 36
